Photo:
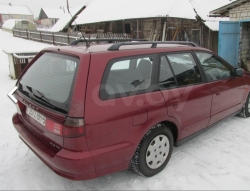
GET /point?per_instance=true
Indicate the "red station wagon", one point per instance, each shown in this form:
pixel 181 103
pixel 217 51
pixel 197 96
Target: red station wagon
pixel 87 111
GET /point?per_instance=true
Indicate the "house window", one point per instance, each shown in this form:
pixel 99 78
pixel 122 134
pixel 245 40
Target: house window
pixel 127 28
pixel 5 17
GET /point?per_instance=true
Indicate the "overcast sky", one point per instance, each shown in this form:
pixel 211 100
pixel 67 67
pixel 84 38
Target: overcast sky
pixel 35 5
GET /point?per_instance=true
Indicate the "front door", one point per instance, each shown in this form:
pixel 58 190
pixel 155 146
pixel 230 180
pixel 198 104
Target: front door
pixel 187 97
pixel 227 90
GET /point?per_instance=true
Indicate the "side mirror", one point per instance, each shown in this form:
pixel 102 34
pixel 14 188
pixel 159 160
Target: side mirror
pixel 239 72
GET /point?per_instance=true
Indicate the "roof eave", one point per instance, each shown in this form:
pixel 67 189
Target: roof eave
pixel 134 18
pixel 224 11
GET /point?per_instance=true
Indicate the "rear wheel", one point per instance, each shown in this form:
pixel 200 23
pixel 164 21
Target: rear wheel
pixel 153 152
pixel 246 108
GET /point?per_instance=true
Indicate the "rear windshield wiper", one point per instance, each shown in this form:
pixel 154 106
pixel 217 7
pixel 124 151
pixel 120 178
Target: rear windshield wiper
pixel 47 102
pixel 41 99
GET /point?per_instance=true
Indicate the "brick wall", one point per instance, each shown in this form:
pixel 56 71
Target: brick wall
pixel 244 55
pixel 240 13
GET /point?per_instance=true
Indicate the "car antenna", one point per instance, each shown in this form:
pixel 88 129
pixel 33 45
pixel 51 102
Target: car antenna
pixel 87 44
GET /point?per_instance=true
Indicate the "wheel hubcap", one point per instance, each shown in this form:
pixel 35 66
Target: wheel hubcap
pixel 157 151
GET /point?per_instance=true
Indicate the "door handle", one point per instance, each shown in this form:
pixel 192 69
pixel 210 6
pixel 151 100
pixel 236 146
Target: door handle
pixel 175 103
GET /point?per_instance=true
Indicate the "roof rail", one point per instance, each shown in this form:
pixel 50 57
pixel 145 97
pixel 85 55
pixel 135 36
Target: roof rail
pixel 110 40
pixel 116 46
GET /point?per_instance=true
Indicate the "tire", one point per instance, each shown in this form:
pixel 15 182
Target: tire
pixel 245 112
pixel 148 159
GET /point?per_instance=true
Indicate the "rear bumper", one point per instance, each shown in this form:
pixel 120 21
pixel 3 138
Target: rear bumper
pixel 69 164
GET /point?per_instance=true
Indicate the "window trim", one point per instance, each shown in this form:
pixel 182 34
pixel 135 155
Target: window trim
pixel 102 91
pixel 159 71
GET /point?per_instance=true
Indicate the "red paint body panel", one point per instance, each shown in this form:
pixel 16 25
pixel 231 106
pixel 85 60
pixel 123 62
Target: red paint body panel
pixel 193 108
pixel 227 94
pixel 115 127
pixel 73 165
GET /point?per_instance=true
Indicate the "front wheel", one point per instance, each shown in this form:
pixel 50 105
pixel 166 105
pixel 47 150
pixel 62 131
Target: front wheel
pixel 246 108
pixel 154 151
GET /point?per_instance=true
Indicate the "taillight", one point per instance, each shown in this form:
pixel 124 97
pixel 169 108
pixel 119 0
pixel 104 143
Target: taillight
pixel 72 127
pixel 20 107
pixel 54 127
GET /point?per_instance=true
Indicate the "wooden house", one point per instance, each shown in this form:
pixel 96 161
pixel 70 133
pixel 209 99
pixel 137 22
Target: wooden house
pixel 149 19
pixel 9 11
pixel 49 16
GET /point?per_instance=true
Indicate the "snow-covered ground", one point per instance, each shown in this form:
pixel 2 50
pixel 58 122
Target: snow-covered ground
pixel 219 159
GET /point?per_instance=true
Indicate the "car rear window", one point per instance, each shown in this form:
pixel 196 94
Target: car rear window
pixel 49 80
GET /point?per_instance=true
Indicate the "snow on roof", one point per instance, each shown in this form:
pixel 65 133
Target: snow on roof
pixel 111 10
pixel 65 19
pixel 224 10
pixel 213 23
pixel 203 7
pixel 15 10
pixel 54 13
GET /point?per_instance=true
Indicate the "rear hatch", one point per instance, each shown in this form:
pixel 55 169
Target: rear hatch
pixel 44 96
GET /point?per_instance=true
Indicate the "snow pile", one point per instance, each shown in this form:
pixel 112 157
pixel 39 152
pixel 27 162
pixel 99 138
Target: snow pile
pixel 9 24
pixel 18 23
pixel 216 160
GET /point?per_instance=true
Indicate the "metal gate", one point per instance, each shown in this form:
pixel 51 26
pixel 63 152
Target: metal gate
pixel 229 36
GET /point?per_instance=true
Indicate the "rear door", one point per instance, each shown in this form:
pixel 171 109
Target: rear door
pixel 120 106
pixel 227 90
pixel 187 97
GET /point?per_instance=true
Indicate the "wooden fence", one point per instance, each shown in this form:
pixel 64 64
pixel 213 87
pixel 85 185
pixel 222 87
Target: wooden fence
pixel 61 38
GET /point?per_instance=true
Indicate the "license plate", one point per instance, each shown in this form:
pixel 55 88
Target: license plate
pixel 36 115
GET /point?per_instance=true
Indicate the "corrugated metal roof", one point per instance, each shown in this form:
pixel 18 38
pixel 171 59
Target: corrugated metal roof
pixel 15 10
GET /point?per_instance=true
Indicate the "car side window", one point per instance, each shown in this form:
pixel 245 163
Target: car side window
pixel 121 65
pixel 127 76
pixel 214 68
pixel 185 69
pixel 166 77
